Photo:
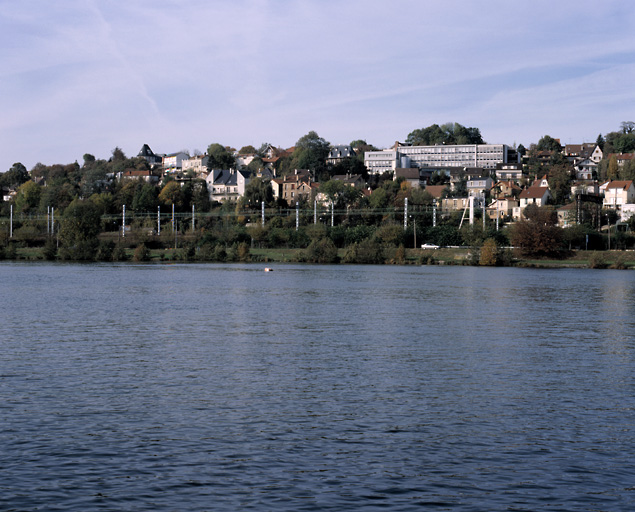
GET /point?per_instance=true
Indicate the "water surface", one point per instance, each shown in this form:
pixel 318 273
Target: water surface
pixel 223 387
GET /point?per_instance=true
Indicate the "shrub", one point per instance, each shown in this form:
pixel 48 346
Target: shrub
pixel 489 253
pixel 141 253
pixel 321 251
pixel 597 260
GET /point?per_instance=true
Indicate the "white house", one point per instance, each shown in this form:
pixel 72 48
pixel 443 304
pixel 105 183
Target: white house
pixel 618 193
pixel 174 160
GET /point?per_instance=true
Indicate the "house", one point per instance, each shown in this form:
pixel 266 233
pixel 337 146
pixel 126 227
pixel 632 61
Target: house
pixel 618 193
pixel 464 173
pixel 583 151
pixel 174 160
pixel 567 214
pixel 509 171
pixel 585 169
pixel 289 188
pixel 539 196
pixel 352 180
pixel 454 203
pixel 502 206
pixel 339 153
pixel 134 174
pixel 411 176
pixel 226 185
pixel 477 187
pixel 244 160
pixel 150 156
pixel 591 188
pixel 505 189
pixel 622 158
pixel 437 191
pixel 272 155
pixel 197 164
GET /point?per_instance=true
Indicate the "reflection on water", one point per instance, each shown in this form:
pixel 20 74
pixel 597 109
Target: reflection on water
pixel 197 387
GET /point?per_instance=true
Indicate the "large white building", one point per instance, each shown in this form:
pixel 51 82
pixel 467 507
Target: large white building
pixel 485 156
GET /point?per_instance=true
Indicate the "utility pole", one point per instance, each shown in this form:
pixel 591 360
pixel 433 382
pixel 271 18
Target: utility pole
pixel 297 215
pixel 263 213
pixel 159 219
pixel 192 218
pixel 405 213
pixel 123 227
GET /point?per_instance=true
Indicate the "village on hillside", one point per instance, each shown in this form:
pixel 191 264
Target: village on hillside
pixel 442 173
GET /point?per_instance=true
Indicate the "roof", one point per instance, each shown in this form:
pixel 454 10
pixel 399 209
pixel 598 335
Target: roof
pixel 408 173
pixel 624 184
pixel 341 152
pixel 533 192
pixel 436 191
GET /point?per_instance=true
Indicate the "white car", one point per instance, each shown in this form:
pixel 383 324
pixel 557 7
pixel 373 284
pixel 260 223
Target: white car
pixel 429 246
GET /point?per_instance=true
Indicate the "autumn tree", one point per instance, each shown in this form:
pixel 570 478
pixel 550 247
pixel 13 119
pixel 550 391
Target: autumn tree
pixel 537 234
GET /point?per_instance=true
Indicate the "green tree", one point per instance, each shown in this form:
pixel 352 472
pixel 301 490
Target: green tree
pixel 15 176
pixel 247 150
pixel 448 133
pixel 560 177
pixel 548 143
pixel 145 198
pixel 256 191
pixel 79 228
pixel 219 157
pixel 28 197
pixel 311 152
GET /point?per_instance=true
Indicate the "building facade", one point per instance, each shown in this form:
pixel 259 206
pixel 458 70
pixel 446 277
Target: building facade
pixel 485 156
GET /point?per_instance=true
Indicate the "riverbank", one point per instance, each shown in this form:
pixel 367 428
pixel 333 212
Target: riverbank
pixel 443 256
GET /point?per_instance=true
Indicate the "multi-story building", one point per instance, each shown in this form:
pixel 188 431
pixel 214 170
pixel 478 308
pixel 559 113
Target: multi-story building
pixel 196 164
pixel 485 156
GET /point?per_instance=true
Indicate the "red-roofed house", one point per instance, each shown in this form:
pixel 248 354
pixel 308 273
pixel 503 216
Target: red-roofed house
pixel 618 193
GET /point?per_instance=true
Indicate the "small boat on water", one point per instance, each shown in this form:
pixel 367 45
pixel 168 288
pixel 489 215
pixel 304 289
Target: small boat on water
pixel 268 269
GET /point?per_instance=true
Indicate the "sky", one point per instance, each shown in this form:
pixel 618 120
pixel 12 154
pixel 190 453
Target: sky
pixel 86 76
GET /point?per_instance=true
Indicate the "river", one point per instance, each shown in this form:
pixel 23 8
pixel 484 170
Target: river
pixel 224 387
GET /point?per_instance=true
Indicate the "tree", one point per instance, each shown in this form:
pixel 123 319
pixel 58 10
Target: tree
pixel 333 189
pixel 538 234
pixel 15 176
pixel 613 168
pixel 247 150
pixel 28 196
pixel 449 133
pixel 79 228
pixel 145 198
pixel 311 152
pixel 219 157
pixel 256 191
pixel 559 177
pixel 489 253
pixel 600 141
pixel 172 194
pixel 548 143
pixel 627 127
